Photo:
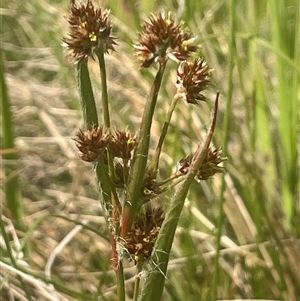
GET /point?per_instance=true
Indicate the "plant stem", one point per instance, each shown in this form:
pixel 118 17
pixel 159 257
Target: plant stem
pixel 106 117
pixel 112 209
pixel 120 282
pixel 162 137
pixel 137 281
pixel 141 156
pixel 104 95
pixel 87 99
pixel 105 107
pixel 104 182
pixel 91 120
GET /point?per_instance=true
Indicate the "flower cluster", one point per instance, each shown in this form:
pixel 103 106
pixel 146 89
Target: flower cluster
pixel 209 167
pixel 140 241
pixel 89 29
pixel 121 144
pixel 162 39
pixel 93 143
pixel 192 79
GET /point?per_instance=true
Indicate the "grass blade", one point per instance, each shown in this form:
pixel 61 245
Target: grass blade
pixel 12 185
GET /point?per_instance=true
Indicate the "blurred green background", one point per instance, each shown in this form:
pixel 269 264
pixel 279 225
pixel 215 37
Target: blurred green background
pixel 49 198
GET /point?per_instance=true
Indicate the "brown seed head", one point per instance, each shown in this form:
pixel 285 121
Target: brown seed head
pixel 209 166
pixel 140 241
pixel 91 144
pixel 89 29
pixel 121 144
pixel 162 39
pixel 192 78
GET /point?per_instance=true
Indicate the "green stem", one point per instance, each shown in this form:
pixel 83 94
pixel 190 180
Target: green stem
pixel 91 120
pixel 155 280
pixel 105 176
pixel 103 180
pixel 162 137
pixel 141 156
pixel 137 281
pixel 104 94
pixel 120 282
pixel 105 106
pixel 87 99
pixel 227 119
pixel 109 194
pixel 112 209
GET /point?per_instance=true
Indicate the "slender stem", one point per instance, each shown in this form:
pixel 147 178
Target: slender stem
pixel 106 117
pixel 112 209
pixel 105 107
pixel 104 184
pixel 120 282
pixel 109 194
pixel 176 176
pixel 104 95
pixel 162 137
pixel 141 155
pixel 87 99
pixel 202 150
pixel 103 180
pixel 227 119
pixel 137 281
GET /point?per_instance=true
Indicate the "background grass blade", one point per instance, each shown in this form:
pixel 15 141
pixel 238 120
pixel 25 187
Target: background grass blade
pixel 285 38
pixel 12 181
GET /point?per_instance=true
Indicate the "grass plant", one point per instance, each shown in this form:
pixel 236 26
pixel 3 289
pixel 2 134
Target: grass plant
pixel 237 236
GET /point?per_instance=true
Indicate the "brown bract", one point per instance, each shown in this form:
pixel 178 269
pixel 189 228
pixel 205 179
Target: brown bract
pixel 192 78
pixel 162 39
pixel 89 29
